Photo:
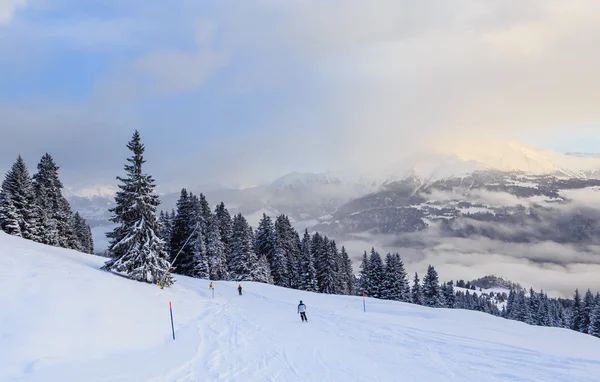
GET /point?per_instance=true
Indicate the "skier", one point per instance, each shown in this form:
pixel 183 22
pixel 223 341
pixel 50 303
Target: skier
pixel 240 289
pixel 302 311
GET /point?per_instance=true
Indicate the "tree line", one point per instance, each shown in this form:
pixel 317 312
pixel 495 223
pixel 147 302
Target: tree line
pixel 214 245
pixel 34 208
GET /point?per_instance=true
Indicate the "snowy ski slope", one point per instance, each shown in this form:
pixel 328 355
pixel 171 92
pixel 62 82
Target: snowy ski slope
pixel 62 319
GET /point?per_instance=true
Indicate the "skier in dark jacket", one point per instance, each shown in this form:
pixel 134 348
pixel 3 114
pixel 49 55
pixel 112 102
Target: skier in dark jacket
pixel 240 289
pixel 302 311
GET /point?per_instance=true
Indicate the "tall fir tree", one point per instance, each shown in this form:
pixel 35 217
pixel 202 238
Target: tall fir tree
pixel 432 294
pixel 264 245
pixel 594 327
pixel 577 310
pixel 325 260
pixel 346 272
pixel 376 275
pixel 19 213
pixel 47 191
pixel 135 248
pixel 244 261
pixel 586 312
pixel 364 274
pixel 83 233
pixel 184 235
pixel 215 251
pixel 449 295
pixel 225 228
pixel 308 275
pixel 417 291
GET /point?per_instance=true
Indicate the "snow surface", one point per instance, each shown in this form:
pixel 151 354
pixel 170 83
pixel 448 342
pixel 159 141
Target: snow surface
pixel 63 319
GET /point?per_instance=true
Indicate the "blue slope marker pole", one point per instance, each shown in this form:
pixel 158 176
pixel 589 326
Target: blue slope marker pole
pixel 364 303
pixel 172 326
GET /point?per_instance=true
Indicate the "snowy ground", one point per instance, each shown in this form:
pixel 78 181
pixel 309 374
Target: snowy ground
pixel 62 319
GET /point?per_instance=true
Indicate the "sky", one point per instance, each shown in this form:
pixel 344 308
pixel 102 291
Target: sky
pixel 239 93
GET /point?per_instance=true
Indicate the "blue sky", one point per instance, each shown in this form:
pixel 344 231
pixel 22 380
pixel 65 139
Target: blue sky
pixel 239 93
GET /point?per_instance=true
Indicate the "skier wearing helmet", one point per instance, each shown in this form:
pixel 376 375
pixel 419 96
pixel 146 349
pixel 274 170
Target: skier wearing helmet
pixel 302 311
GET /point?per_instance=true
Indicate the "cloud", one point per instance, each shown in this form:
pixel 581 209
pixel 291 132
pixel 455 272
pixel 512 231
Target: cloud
pixel 539 253
pixel 319 85
pixel 8 9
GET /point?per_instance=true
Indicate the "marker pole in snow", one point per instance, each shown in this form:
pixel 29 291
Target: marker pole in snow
pixel 172 326
pixel 364 303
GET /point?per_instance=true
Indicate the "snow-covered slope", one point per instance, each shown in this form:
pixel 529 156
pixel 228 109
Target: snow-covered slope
pixel 62 319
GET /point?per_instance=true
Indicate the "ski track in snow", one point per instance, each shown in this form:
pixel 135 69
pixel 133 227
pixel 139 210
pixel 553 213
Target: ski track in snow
pixel 72 322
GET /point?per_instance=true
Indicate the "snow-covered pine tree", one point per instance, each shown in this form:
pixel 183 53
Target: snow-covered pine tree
pixel 287 250
pixel 135 248
pixel 364 282
pixel 586 312
pixel 225 228
pixel 346 272
pixel 56 215
pixel 391 290
pixel 201 268
pixel 215 251
pixel 45 183
pixel 243 259
pixel 417 291
pixel 165 231
pixel 594 328
pixel 324 264
pixel 204 215
pixel 576 313
pixel 83 233
pixel 9 216
pixel 184 235
pixel 449 295
pixel 432 294
pixel 308 274
pixel 376 275
pixel 18 207
pixel 264 245
pixel 262 271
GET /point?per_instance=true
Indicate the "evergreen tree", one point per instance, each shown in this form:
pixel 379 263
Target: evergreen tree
pixel 308 274
pixel 265 247
pixel 225 227
pixel 346 273
pixel 83 233
pixel 586 312
pixel 134 246
pixel 576 322
pixel 376 275
pixel 47 191
pixel 204 214
pixel 244 261
pixel 395 282
pixel 9 216
pixel 56 217
pixel 165 231
pixel 449 295
pixel 215 251
pixel 183 246
pixel 285 266
pixel 201 268
pixel 262 272
pixel 325 260
pixel 364 274
pixel 18 207
pixel 417 292
pixel 432 294
pixel 594 327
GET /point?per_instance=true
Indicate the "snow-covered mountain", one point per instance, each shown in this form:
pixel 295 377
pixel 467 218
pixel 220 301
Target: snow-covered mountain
pixel 66 320
pixel 395 197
